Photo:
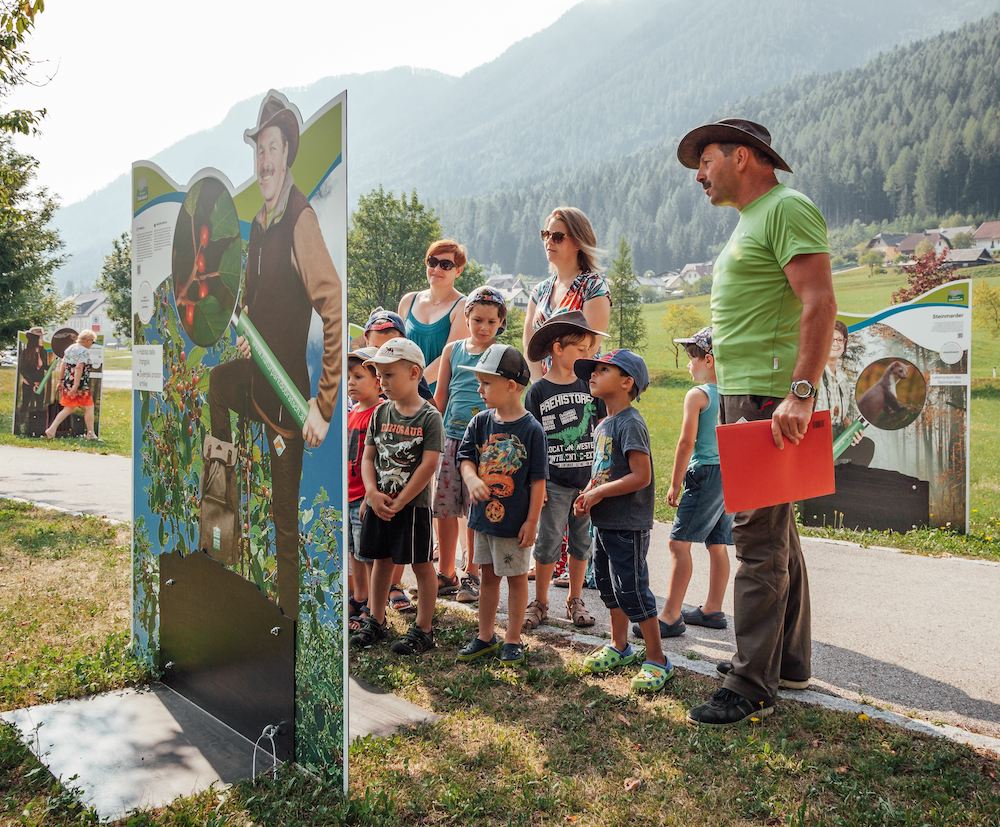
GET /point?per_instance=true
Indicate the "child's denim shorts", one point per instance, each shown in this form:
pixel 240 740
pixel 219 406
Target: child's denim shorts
pixel 354 531
pixel 701 516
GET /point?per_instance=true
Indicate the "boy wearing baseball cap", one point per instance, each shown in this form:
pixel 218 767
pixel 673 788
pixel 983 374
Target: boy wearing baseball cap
pixel 701 517
pixel 383 325
pixel 619 500
pixel 502 460
pixel 404 440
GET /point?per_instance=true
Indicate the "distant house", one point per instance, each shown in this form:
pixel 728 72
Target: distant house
pixel 90 312
pixel 951 232
pixel 690 273
pixel 515 289
pixel 969 257
pixel 887 244
pixel 908 246
pixel 988 235
pixel 656 286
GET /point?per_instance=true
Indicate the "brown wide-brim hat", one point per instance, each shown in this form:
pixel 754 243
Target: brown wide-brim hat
pixel 274 111
pixel 551 329
pixel 727 131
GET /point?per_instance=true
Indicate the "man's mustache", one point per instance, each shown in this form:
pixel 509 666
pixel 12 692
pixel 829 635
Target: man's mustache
pixel 265 170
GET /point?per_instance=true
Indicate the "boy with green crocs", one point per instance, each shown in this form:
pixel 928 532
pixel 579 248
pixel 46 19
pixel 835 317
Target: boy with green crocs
pixel 619 500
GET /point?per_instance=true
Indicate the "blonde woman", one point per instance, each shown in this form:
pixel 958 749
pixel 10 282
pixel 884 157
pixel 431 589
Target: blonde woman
pixel 74 378
pixel 575 283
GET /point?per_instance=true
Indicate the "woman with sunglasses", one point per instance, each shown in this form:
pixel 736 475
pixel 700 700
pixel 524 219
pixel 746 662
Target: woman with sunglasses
pixel 436 316
pixel 575 283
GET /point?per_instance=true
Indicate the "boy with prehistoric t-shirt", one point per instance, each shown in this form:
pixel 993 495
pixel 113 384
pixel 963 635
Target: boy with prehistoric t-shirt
pixel 619 500
pixel 365 394
pixel 405 438
pixel 562 404
pixel 502 460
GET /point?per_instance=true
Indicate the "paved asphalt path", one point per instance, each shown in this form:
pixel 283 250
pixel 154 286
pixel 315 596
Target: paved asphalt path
pixel 73 480
pixel 916 634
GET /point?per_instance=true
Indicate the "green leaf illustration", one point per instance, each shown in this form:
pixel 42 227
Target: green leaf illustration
pixel 225 223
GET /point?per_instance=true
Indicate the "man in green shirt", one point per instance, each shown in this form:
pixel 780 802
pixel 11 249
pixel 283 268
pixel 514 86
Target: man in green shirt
pixel 773 310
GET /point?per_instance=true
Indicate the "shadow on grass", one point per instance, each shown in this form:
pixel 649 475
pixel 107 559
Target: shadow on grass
pixel 549 742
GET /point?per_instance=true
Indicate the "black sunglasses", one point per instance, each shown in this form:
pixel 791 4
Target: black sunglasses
pixel 557 237
pixel 443 263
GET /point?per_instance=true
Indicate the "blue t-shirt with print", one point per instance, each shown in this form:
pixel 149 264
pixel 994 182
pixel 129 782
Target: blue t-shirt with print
pixel 614 437
pixel 509 456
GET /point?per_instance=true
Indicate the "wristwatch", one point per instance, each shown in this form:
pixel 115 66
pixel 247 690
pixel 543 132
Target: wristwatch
pixel 803 389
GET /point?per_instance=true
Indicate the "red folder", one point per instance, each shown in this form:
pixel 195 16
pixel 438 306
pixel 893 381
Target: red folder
pixel 756 474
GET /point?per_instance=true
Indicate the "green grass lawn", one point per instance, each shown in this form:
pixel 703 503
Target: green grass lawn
pixel 115 426
pixel 117 358
pixel 546 744
pixel 857 292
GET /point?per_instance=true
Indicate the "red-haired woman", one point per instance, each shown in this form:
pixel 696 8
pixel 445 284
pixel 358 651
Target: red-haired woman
pixel 436 315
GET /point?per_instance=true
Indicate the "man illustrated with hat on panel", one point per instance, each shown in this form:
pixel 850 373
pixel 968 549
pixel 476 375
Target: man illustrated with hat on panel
pixel 773 310
pixel 289 274
pixel 32 362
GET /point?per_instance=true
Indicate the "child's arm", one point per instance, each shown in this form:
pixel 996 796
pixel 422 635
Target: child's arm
pixel 529 530
pixel 418 481
pixel 639 475
pixel 373 497
pixel 479 491
pixel 444 377
pixel 694 403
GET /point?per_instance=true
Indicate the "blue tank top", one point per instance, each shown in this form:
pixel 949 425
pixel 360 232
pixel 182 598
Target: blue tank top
pixel 464 401
pixel 706 446
pixel 430 338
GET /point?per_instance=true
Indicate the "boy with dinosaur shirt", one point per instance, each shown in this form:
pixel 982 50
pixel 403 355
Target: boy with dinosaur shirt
pixel 562 404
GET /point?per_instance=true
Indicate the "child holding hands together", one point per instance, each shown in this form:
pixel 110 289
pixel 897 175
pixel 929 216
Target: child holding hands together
pixel 503 463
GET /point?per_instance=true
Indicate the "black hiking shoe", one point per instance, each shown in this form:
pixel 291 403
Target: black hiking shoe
pixel 416 642
pixel 724 667
pixel 726 708
pixel 370 633
pixel 512 654
pixel 476 649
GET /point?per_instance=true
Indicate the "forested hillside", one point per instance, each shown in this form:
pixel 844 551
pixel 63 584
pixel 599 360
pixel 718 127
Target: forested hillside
pixel 608 78
pixel 914 132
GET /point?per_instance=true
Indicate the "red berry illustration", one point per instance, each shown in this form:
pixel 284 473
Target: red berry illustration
pixel 189 314
pixel 202 289
pixel 199 263
pixel 203 235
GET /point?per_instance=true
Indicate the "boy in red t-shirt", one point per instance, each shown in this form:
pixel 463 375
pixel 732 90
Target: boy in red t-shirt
pixel 364 391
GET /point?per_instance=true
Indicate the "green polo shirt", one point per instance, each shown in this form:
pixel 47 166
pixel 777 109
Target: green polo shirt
pixel 755 313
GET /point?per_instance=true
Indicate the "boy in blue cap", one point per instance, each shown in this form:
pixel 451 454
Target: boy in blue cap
pixel 619 500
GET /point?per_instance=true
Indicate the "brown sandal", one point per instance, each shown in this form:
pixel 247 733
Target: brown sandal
pixel 536 613
pixel 577 612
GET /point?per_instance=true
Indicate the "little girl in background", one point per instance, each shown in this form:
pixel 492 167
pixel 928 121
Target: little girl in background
pixel 457 397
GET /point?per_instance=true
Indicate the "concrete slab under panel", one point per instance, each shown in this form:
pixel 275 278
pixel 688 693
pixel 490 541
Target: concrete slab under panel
pixel 374 711
pixel 134 748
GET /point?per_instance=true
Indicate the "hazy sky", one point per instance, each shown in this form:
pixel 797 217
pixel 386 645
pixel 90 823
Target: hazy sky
pixel 131 77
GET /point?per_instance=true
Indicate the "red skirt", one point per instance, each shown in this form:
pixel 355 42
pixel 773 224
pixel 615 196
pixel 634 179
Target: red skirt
pixel 77 400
